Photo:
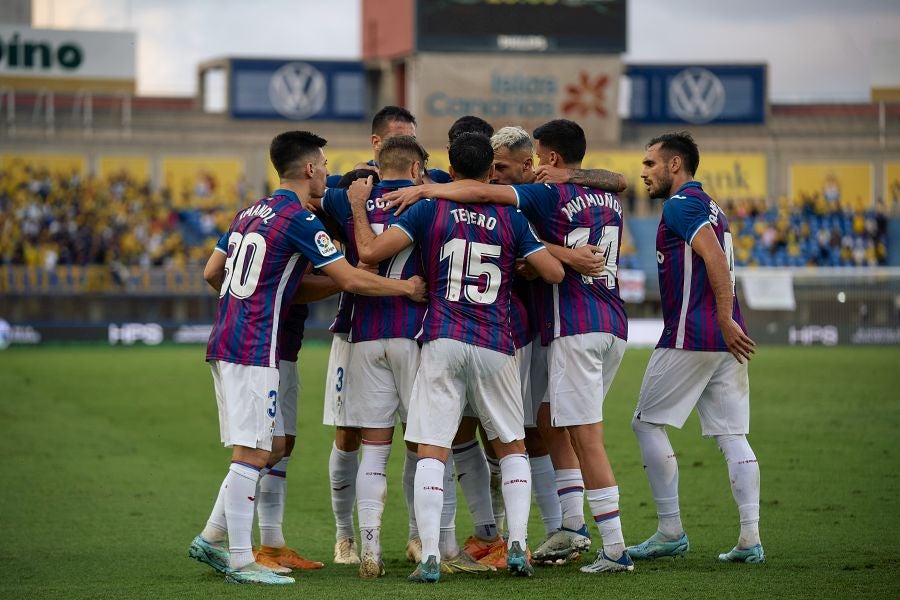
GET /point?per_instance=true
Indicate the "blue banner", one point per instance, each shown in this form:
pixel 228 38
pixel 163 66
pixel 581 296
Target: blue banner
pixel 698 94
pixel 297 90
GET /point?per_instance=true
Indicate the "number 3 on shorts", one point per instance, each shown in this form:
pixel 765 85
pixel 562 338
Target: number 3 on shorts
pixel 272 409
pixel 339 385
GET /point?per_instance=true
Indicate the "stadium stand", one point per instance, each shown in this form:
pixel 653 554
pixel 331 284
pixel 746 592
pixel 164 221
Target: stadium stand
pixel 60 218
pixel 63 218
pixel 811 231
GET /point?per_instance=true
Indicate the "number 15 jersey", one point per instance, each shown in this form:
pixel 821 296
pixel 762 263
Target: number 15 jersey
pixel 267 249
pixel 469 254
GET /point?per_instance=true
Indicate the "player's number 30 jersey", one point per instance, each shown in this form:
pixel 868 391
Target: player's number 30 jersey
pixel 267 248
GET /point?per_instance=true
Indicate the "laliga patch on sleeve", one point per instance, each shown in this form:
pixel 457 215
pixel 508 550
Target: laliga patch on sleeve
pixel 324 244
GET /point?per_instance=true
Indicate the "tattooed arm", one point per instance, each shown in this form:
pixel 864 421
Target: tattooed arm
pixel 596 178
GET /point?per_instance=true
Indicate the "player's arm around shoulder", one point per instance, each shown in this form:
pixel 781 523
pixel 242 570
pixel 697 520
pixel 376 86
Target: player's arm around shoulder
pixel 600 179
pixel 359 281
pixel 587 260
pixel 466 191
pixel 706 245
pixel 314 288
pixel 549 269
pixel 533 250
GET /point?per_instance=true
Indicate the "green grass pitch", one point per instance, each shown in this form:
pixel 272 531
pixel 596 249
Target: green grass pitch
pixel 111 461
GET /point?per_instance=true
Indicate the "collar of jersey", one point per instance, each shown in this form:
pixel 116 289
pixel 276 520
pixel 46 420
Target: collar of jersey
pixel 691 183
pixel 288 193
pixel 396 183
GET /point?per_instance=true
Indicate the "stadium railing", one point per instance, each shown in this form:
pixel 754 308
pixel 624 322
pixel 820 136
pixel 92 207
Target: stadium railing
pixel 796 306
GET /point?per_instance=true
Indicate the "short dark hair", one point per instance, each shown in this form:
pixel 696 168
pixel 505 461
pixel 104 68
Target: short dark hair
pixel 564 137
pixel 389 114
pixel 399 152
pixel 351 176
pixel 681 143
pixel 471 124
pixel 471 155
pixel 290 148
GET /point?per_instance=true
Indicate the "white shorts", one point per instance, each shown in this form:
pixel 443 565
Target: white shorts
pixel 529 405
pixel 383 375
pixel 582 368
pixel 451 373
pixel 247 398
pixel 678 380
pixel 288 393
pixel 336 380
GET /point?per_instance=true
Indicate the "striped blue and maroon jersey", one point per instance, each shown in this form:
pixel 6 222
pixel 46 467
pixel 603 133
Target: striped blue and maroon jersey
pixel 571 215
pixel 267 249
pixel 688 301
pixel 292 329
pixel 342 319
pixel 519 318
pixel 376 318
pixel 469 254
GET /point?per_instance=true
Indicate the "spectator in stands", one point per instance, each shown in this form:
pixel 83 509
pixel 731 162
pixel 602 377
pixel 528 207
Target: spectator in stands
pixel 61 218
pixel 50 219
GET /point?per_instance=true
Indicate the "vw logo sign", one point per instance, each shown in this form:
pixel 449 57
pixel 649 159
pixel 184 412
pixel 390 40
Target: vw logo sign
pixel 696 95
pixel 297 90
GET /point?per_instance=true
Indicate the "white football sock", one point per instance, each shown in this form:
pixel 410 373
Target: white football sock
pixel 409 475
pixel 429 498
pixel 516 475
pixel 342 468
pixel 448 546
pixel 604 505
pixel 496 489
pixel 661 467
pixel 543 485
pixel 239 496
pixel 270 504
pixel 743 470
pixel 216 526
pixel 475 480
pixel 570 490
pixel 371 491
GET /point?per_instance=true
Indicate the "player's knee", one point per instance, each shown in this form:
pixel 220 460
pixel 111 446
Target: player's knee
pixel 278 449
pixel 289 441
pixel 534 443
pixel 639 426
pixel 735 448
pixel 347 439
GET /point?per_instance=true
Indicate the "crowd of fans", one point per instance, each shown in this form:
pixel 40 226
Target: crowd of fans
pixel 815 230
pixel 49 219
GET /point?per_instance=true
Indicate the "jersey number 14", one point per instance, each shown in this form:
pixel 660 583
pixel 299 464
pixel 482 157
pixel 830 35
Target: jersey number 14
pixel 609 241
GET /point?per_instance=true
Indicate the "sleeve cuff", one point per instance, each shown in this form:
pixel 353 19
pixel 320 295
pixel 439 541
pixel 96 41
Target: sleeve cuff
pixel 518 199
pixel 328 262
pixel 690 239
pixel 539 248
pixel 404 230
